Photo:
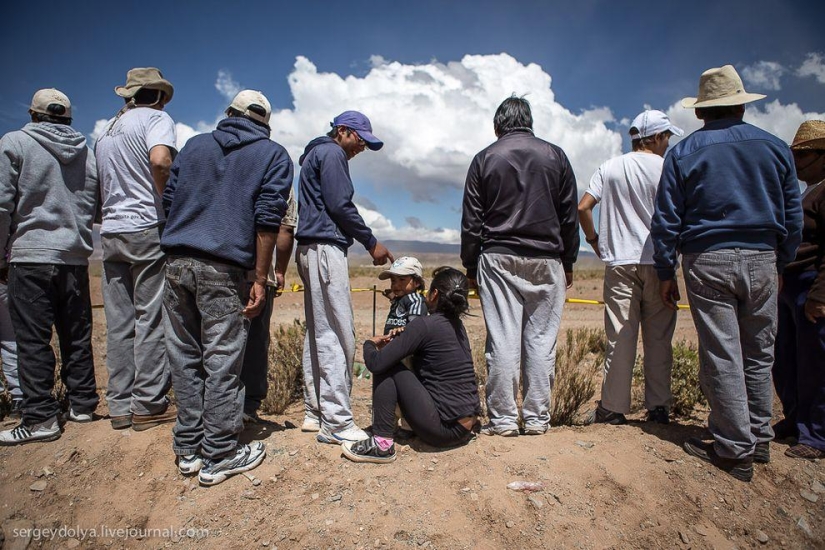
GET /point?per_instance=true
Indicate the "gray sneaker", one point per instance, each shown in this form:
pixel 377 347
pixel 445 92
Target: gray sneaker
pixel 48 430
pixel 489 429
pixel 246 457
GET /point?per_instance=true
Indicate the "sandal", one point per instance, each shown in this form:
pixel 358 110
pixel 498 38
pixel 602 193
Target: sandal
pixel 807 452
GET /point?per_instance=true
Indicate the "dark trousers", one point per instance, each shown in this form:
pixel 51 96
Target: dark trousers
pixel 256 357
pixel 42 296
pixel 400 386
pixel 799 370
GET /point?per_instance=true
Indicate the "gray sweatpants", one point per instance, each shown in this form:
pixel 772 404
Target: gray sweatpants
pixel 139 377
pixel 631 298
pixel 522 300
pixel 733 299
pixel 329 346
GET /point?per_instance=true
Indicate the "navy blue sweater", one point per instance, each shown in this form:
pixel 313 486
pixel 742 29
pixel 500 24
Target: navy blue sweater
pixel 326 213
pixel 727 185
pixel 223 188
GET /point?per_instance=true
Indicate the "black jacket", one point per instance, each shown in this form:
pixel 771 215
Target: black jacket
pixel 520 198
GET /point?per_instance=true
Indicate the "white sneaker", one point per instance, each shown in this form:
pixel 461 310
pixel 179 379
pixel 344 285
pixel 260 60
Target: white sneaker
pixel 48 430
pixel 246 458
pixel 310 424
pixel 79 417
pixel 190 464
pixel 351 434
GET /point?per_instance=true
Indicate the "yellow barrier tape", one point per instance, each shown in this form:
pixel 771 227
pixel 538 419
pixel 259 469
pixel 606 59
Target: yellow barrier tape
pixel 473 294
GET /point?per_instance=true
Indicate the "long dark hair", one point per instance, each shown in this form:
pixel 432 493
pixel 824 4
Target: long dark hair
pixel 453 291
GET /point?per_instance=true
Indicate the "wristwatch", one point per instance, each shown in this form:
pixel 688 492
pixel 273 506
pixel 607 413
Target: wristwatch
pixel 593 240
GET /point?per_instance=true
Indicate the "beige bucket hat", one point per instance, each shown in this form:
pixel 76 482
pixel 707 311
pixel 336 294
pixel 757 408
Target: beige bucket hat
pixel 145 77
pixel 811 135
pixel 720 87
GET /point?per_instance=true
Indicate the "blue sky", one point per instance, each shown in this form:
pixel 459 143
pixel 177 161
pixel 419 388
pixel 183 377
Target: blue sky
pixel 429 75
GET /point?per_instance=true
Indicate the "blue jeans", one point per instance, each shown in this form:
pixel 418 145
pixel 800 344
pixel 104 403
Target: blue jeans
pixel 733 300
pixel 206 334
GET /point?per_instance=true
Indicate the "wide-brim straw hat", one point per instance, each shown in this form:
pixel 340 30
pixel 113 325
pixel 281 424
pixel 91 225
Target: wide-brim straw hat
pixel 720 87
pixel 811 135
pixel 145 77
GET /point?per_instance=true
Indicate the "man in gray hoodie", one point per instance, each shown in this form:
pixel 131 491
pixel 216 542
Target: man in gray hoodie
pixel 48 201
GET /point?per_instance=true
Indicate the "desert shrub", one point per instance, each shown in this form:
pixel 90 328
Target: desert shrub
pixel 285 374
pixel 578 362
pixel 684 380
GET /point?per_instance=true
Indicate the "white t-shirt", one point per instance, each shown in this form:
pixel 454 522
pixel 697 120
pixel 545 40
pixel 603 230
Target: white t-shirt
pixel 626 188
pixel 130 201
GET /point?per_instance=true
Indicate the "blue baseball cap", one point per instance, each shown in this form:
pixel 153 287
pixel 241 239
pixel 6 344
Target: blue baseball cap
pixel 361 124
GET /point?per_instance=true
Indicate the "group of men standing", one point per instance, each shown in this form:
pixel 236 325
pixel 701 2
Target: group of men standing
pixel 726 198
pixel 188 241
pixel 188 244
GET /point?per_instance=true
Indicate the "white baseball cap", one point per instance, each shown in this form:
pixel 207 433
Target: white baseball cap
pixel 247 98
pixel 47 97
pixel 652 122
pixel 406 265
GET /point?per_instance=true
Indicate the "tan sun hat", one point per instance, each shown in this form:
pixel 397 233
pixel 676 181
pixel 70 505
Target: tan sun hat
pixel 145 77
pixel 811 135
pixel 720 87
pixel 45 98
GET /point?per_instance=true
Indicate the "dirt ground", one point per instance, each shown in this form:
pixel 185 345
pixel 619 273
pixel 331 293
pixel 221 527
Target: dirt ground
pixel 603 486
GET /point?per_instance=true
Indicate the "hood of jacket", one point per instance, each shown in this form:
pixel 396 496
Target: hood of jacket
pixel 235 131
pixel 60 140
pixel 312 145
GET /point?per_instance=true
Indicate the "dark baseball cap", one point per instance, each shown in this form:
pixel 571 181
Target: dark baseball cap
pixel 361 124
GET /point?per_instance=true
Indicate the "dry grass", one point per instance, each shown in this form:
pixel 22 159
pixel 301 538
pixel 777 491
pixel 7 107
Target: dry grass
pixel 578 361
pixel 684 380
pixel 285 375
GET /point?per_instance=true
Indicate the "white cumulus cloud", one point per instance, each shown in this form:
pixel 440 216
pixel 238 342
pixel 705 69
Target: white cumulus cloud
pixel 226 85
pixel 434 117
pixel 764 75
pixel 814 65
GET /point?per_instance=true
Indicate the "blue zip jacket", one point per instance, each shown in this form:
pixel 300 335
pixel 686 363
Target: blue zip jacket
pixel 727 185
pixel 224 187
pixel 326 213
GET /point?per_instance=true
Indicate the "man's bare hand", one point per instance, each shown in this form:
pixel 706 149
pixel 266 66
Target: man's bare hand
pixel 257 298
pixel 380 341
pixel 669 292
pixel 814 310
pixel 568 278
pixel 380 254
pixel 395 332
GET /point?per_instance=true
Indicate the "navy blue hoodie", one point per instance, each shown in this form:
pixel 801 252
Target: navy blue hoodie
pixel 223 188
pixel 326 213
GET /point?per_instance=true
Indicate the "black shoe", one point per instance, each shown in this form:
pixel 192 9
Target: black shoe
pixel 600 415
pixel 785 430
pixel 658 415
pixel 762 453
pixel 740 468
pixel 367 450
